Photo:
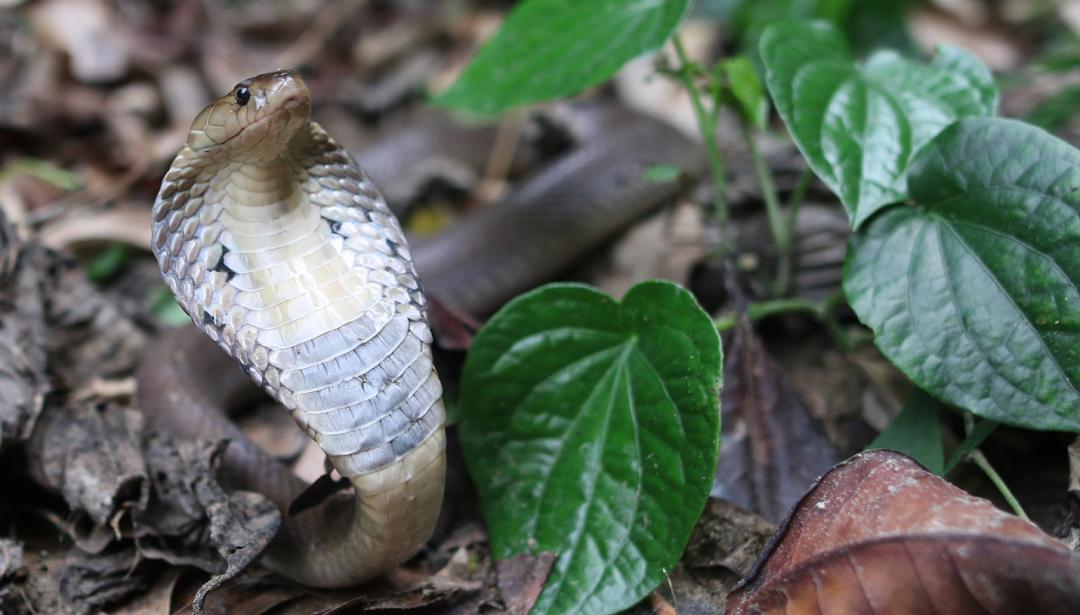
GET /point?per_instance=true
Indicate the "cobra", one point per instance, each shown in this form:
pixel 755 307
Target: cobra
pixel 283 253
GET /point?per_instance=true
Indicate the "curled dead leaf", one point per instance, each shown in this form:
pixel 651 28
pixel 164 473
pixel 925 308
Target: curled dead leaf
pixel 878 533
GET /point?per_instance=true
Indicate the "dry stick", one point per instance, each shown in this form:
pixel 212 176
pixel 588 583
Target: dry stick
pixel 507 140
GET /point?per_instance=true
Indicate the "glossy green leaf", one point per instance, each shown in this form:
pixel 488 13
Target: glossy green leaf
pixel 860 126
pixel 916 432
pixel 549 49
pixel 742 80
pixel 591 428
pixel 974 292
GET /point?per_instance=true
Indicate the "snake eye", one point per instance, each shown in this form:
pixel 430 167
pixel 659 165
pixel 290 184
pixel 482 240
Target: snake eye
pixel 242 96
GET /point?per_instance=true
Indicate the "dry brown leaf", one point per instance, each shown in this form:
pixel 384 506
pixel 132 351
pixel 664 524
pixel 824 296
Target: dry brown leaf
pixel 521 579
pixel 157 600
pixel 773 449
pixel 878 533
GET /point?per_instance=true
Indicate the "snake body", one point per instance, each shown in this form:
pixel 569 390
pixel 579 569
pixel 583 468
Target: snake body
pixel 284 254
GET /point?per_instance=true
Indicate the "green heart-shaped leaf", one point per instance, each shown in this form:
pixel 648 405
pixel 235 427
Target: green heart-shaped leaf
pixel 975 292
pixel 549 49
pixel 859 127
pixel 591 428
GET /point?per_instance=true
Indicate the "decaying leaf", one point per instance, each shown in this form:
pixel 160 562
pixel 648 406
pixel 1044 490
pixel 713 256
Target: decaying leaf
pixel 89 582
pixel 727 536
pixel 521 579
pixel 878 533
pixel 91 454
pixel 240 525
pixel 23 382
pixel 772 449
pixel 11 564
pixel 88 336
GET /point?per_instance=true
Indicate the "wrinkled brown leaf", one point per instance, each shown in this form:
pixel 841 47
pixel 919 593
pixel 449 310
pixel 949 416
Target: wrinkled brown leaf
pixel 521 579
pixel 773 449
pixel 23 381
pixel 878 533
pixel 727 536
pixel 157 600
pixel 240 525
pixel 89 582
pixel 252 594
pixel 88 336
pixel 91 453
pixel 11 564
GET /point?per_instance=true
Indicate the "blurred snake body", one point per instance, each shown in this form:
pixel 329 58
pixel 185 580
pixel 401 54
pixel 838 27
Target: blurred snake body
pixel 284 254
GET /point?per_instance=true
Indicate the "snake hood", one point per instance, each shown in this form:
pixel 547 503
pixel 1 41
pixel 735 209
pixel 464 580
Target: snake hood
pixel 256 118
pixel 282 251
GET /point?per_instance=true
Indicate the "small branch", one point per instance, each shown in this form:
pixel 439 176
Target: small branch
pixel 706 120
pixel 507 139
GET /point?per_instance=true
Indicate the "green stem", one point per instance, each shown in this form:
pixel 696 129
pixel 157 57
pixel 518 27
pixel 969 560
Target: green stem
pixel 765 309
pixel 979 459
pixel 780 228
pixel 706 120
pixel 796 200
pixel 824 311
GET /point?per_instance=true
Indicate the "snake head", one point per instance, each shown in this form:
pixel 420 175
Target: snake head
pixel 258 112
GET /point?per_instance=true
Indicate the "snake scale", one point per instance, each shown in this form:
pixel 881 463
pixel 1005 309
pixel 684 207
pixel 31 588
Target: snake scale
pixel 283 252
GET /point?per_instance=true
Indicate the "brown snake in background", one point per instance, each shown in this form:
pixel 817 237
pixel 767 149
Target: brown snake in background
pixel 285 255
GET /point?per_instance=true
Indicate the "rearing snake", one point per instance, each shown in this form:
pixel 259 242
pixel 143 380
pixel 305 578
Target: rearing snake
pixel 285 255
pixel 280 249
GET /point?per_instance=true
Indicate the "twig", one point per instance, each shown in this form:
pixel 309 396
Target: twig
pixel 507 140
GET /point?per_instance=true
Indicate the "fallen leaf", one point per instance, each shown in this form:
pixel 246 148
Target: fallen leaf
pixel 729 537
pixel 23 380
pixel 772 448
pixel 157 600
pixel 11 564
pixel 521 579
pixel 91 453
pixel 878 533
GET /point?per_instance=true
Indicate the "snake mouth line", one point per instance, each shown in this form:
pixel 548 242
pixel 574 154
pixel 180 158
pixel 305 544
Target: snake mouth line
pixel 289 105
